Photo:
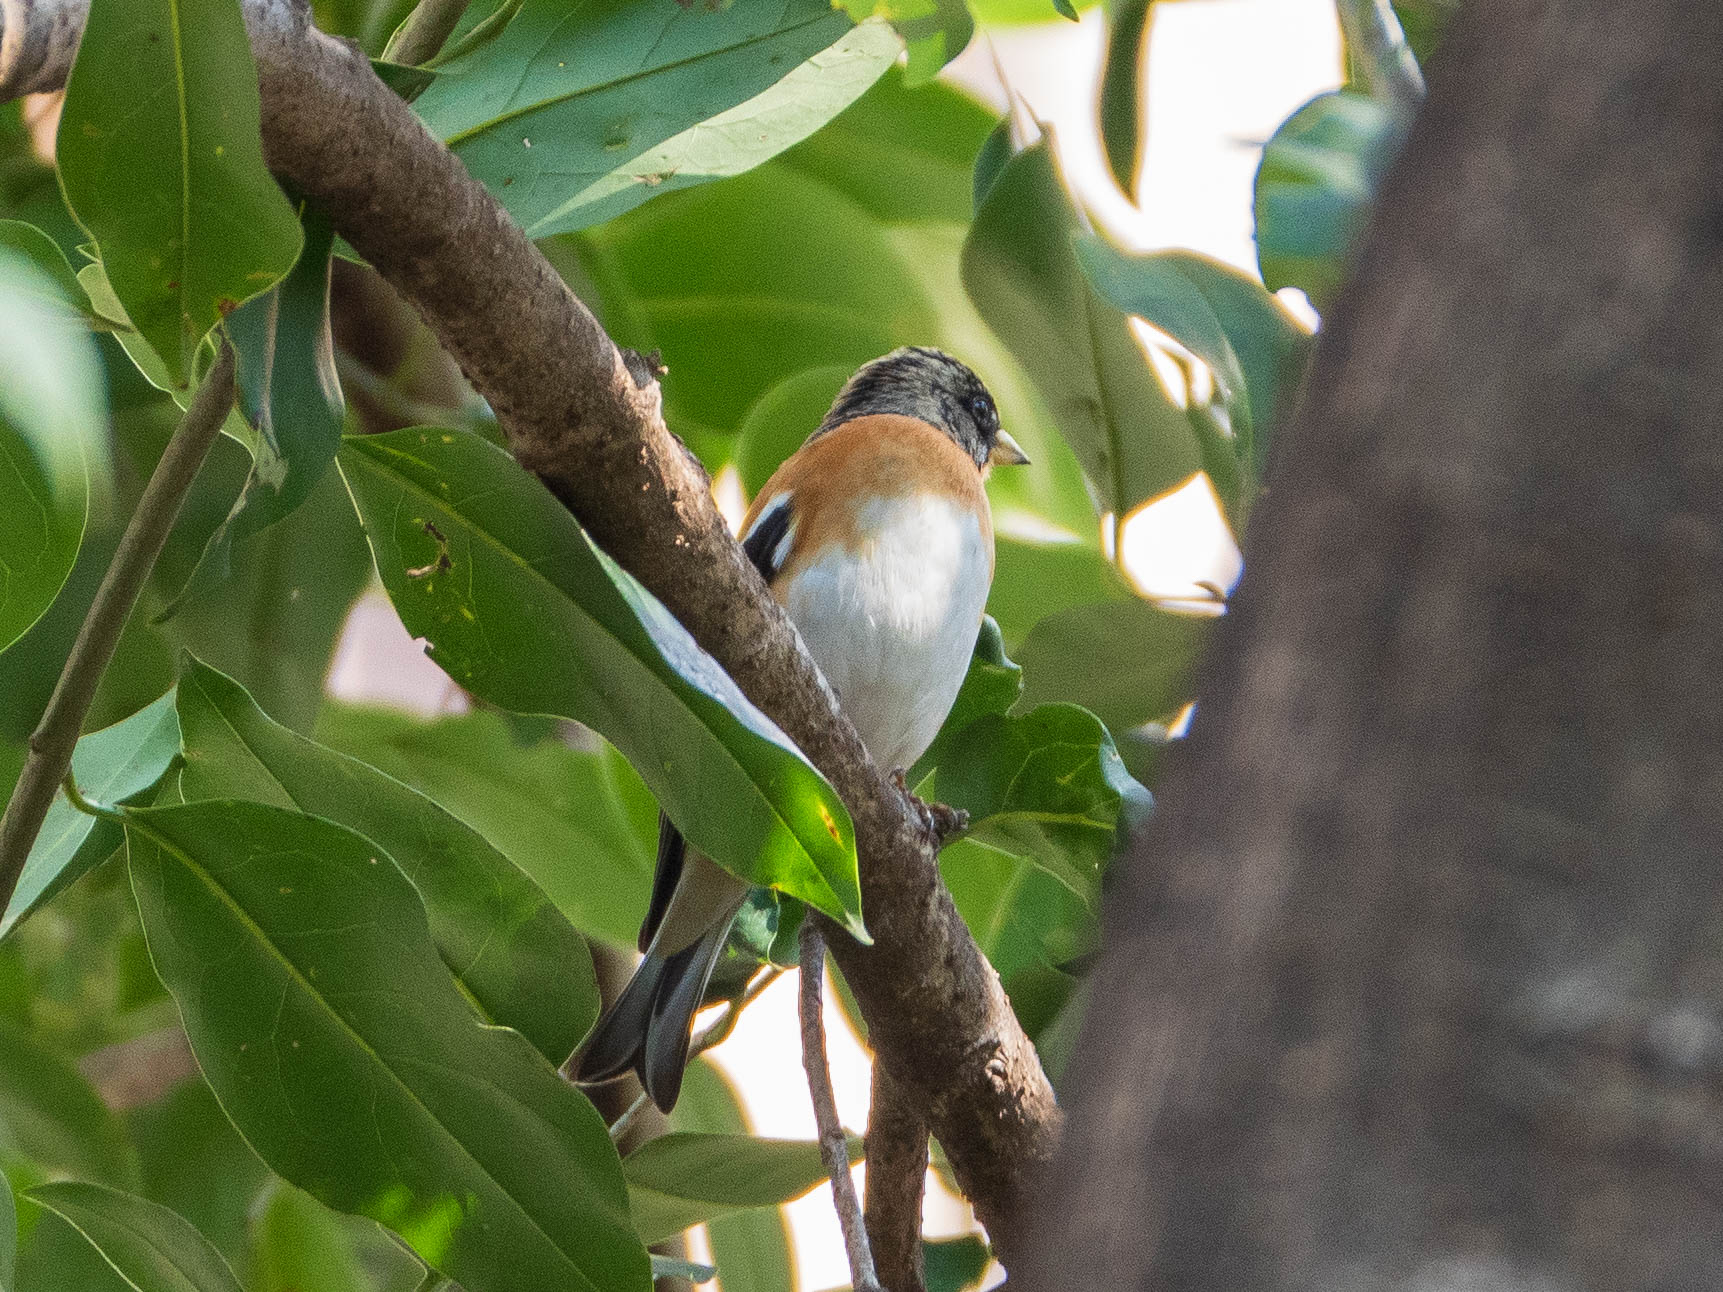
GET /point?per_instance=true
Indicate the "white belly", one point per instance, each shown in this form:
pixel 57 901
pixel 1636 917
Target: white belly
pixel 892 625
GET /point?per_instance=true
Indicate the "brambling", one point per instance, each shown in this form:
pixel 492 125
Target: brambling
pixel 876 538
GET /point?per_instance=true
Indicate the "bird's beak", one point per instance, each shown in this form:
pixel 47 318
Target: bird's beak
pixel 1007 452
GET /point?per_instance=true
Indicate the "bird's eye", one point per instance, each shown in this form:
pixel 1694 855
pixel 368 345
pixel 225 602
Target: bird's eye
pixel 982 407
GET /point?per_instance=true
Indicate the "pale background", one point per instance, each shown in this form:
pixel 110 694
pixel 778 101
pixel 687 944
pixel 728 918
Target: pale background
pixel 1222 75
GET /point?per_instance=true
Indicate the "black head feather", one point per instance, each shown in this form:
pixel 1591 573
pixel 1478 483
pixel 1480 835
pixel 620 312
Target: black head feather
pixel 917 381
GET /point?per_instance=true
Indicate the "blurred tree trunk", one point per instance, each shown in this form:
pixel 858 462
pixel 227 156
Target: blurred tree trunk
pixel 1416 982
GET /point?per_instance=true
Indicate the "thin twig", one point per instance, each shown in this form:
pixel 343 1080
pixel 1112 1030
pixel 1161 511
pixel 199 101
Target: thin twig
pixel 1376 39
pixel 424 32
pixel 623 1124
pixel 55 737
pixel 834 1145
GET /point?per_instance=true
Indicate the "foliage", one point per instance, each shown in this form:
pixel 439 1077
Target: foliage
pixel 374 928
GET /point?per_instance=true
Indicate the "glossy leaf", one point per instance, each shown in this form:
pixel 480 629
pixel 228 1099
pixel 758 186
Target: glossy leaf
pixel 1121 104
pixel 1048 785
pixel 572 116
pixel 579 821
pixel 495 929
pixel 954 1264
pixel 751 1247
pixel 150 1247
pixel 114 765
pixel 684 1178
pixel 1020 913
pixel 1128 662
pixel 51 1116
pixel 482 562
pixel 991 686
pixel 1315 187
pixel 8 1236
pixel 52 420
pixel 162 161
pixel 1254 348
pixel 288 394
pixel 337 1042
pixel 1021 271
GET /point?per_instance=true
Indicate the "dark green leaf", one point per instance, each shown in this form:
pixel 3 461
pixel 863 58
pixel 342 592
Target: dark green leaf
pixel 991 160
pixel 196 1164
pixel 1122 91
pixel 162 161
pixel 482 562
pixel 1066 9
pixel 299 1245
pixel 936 31
pixel 1021 270
pixel 50 1115
pixel 408 82
pixel 288 393
pixel 1128 662
pixel 674 1267
pixel 1424 22
pixel 579 821
pixel 52 422
pixel 572 116
pixel 781 420
pixel 66 301
pixel 1034 580
pixel 954 1264
pixel 1021 915
pixel 495 929
pixel 337 1042
pixel 150 1247
pixel 1047 785
pixel 752 1247
pixel 114 765
pixel 686 1177
pixel 991 686
pixel 1254 348
pixel 8 1236
pixel 1315 188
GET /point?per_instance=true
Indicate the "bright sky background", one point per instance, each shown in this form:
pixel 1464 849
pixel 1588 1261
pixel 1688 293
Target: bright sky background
pixel 1222 75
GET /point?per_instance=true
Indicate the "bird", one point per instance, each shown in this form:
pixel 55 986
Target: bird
pixel 876 537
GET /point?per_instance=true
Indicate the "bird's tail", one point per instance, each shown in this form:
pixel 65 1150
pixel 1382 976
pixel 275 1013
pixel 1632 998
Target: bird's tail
pixel 648 1028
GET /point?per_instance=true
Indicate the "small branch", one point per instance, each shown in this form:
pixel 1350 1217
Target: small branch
pixel 55 737
pixel 896 1180
pixel 834 1146
pixel 1378 42
pixel 625 1123
pixel 418 39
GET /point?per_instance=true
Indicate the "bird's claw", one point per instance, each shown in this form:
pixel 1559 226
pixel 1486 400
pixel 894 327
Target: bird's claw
pixel 940 821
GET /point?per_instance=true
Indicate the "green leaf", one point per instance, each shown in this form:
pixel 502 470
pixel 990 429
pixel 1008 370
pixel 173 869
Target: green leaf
pixel 781 420
pixel 8 1236
pixel 751 1247
pixel 288 394
pixel 579 821
pixel 953 1264
pixel 1127 662
pixel 150 1247
pixel 115 765
pixel 1032 581
pixel 51 1116
pixel 482 562
pixel 53 417
pixel 495 929
pixel 572 116
pixel 1425 22
pixel 936 31
pixel 162 162
pixel 192 1160
pixel 674 1267
pixel 65 301
pixel 338 1044
pixel 1315 187
pixel 299 1245
pixel 1254 348
pixel 686 1177
pixel 1047 785
pixel 1020 913
pixel 1021 271
pixel 1121 105
pixel 991 686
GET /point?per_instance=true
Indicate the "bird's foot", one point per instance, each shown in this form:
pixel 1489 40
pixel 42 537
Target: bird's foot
pixel 941 821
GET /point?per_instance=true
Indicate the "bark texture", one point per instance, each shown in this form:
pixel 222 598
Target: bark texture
pixel 1415 982
pixel 936 1014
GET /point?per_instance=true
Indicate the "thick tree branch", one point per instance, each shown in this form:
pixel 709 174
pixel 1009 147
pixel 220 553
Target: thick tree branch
pixel 896 1181
pixel 937 1016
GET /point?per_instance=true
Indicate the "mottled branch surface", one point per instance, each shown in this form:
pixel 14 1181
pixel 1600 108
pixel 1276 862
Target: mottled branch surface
pixel 936 1015
pixel 896 1182
pixel 1417 980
